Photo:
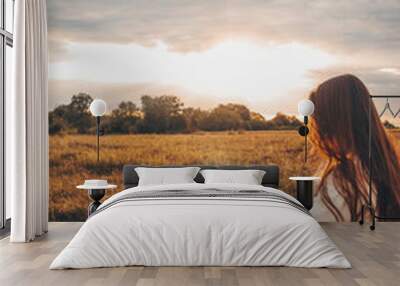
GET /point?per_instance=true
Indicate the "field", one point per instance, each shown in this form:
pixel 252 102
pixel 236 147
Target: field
pixel 73 159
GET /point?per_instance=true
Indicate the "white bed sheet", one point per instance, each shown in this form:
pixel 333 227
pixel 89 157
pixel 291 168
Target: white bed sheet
pixel 202 232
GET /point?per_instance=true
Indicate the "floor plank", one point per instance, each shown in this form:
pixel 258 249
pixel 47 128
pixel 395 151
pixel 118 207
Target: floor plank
pixel 375 257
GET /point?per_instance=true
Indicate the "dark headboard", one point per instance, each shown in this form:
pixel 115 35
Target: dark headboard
pixel 271 177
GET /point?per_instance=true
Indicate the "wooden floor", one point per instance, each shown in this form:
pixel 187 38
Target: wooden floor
pixel 375 257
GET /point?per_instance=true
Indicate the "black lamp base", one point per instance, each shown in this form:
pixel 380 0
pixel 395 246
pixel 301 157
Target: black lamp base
pixel 96 195
pixel 303 130
pixel 305 193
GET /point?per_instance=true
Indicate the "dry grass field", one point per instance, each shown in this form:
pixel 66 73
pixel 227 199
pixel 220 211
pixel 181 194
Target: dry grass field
pixel 73 159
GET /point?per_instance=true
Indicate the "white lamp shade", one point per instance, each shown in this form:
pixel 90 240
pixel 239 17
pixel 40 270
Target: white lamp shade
pixel 305 107
pixel 98 107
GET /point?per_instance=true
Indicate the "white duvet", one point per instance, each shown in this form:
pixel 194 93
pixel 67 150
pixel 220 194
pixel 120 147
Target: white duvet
pixel 193 231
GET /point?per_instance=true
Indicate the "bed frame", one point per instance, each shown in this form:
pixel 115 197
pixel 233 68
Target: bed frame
pixel 271 178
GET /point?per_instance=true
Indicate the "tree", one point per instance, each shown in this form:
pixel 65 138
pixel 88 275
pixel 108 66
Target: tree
pixel 256 122
pixel 123 119
pixel 161 114
pixel 56 123
pixel 72 117
pixel 78 115
pixel 283 122
pixel 193 118
pixel 221 118
pixel 240 109
pixel 81 102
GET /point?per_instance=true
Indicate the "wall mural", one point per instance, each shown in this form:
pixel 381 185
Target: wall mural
pixel 218 82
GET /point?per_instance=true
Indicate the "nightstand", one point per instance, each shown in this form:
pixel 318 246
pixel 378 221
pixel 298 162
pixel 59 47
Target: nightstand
pixel 304 192
pixel 96 191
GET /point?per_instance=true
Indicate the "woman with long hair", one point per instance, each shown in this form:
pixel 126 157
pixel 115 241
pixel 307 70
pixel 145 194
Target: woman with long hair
pixel 339 133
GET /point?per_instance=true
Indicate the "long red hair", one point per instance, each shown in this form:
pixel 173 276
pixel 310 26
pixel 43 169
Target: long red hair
pixel 339 131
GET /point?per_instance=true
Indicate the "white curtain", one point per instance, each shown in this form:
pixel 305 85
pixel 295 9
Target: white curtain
pixel 27 122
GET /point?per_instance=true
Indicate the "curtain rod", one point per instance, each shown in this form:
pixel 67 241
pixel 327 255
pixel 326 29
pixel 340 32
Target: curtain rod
pixel 384 96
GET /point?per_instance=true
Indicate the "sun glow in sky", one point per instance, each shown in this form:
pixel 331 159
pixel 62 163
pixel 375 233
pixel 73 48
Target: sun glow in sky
pixel 231 70
pixel 265 54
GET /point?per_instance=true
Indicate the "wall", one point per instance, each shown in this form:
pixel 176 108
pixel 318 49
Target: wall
pixel 210 83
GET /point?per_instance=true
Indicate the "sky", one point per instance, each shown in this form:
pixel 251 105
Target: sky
pixel 265 54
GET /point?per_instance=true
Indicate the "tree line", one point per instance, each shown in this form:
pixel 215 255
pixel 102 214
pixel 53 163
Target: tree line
pixel 162 114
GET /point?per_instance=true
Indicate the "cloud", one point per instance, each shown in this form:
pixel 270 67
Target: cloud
pixel 363 35
pixel 58 51
pixel 384 81
pixel 357 26
pixel 394 71
pixel 378 81
pixel 61 91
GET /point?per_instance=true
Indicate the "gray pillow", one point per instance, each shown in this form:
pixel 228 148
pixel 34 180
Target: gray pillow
pixel 248 177
pixel 166 176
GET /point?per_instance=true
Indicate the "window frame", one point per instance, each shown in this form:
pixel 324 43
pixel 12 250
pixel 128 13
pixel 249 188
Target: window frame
pixel 6 39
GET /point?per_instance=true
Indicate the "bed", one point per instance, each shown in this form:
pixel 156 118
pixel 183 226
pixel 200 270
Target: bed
pixel 198 224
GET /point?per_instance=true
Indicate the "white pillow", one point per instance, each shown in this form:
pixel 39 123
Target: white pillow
pixel 248 177
pixel 165 176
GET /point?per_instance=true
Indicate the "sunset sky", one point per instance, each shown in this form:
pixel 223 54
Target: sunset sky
pixel 265 54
